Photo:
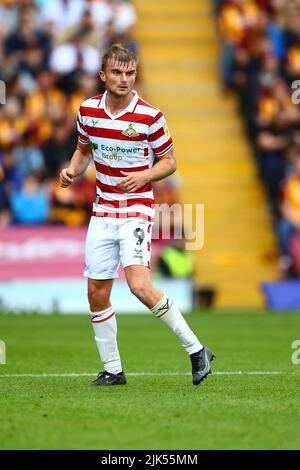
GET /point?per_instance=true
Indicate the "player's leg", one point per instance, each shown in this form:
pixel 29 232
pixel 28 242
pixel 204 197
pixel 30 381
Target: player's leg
pixel 135 251
pixel 102 262
pixel 99 291
pixel 163 307
pixel 139 282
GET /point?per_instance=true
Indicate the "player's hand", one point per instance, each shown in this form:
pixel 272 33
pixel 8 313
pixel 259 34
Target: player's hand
pixel 66 177
pixel 134 180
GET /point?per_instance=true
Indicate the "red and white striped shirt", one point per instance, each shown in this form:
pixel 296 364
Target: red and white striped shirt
pixel 128 141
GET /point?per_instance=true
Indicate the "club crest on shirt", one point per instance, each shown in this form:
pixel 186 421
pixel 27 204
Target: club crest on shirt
pixel 130 131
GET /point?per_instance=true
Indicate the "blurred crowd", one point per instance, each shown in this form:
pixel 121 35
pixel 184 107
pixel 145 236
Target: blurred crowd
pixel 261 63
pixel 50 56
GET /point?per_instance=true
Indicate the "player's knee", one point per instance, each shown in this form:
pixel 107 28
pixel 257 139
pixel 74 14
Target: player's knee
pixel 98 297
pixel 138 289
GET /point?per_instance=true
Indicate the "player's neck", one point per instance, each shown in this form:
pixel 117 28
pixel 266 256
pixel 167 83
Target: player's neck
pixel 116 104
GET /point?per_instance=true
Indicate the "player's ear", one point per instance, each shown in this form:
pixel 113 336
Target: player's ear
pixel 102 75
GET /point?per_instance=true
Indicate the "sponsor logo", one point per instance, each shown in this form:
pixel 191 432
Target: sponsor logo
pixel 107 148
pixel 94 122
pixel 113 153
pixel 130 131
pixel 167 133
pixel 138 252
pixel 112 156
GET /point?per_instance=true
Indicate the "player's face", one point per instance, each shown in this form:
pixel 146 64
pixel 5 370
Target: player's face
pixel 119 78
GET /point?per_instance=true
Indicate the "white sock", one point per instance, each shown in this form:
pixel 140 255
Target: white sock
pixel 105 329
pixel 167 311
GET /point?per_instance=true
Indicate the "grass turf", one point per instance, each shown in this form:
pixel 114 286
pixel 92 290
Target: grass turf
pixel 150 412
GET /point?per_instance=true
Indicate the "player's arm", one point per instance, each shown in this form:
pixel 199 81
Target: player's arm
pixel 78 164
pixel 165 166
pixel 137 179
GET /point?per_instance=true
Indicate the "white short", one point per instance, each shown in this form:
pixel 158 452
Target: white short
pixel 110 240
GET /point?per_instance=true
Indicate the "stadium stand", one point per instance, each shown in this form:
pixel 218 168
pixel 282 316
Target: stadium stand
pixel 180 51
pixel 50 56
pixel 261 63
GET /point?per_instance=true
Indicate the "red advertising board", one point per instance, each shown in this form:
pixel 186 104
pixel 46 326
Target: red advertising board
pixel 41 252
pixel 47 252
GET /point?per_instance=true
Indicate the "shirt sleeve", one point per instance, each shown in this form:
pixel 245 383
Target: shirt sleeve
pixel 159 136
pixel 83 136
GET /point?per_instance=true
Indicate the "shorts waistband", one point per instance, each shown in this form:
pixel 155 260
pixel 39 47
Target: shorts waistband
pixel 126 215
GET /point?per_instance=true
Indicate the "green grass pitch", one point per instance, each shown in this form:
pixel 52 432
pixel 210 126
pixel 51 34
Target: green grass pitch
pixel 159 411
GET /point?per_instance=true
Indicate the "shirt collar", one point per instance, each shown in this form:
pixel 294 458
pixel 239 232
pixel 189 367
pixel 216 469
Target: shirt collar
pixel 129 108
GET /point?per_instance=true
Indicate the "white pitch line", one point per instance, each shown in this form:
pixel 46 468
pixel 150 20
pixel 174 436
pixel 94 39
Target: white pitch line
pixel 145 374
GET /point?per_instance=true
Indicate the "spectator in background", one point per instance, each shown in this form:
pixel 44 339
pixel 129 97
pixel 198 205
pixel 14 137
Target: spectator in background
pixel 289 223
pixel 86 85
pixel 60 14
pixel 45 97
pixel 91 36
pixel 11 182
pixel 12 177
pixel 174 261
pixel 29 158
pixel 125 39
pixel 58 148
pixel 101 11
pixel 37 122
pixel 12 123
pixel 118 12
pixel 5 218
pixel 75 55
pixel 237 20
pixel 261 60
pixel 266 25
pixel 1 174
pixel 276 117
pixel 9 16
pixel 124 16
pixel 27 48
pixel 72 206
pixel 31 204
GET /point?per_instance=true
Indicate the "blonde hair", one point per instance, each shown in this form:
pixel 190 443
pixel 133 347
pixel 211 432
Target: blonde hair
pixel 120 54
